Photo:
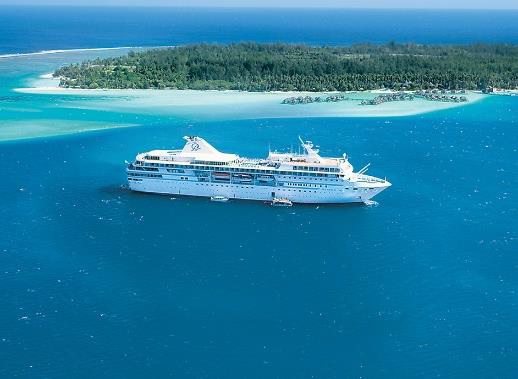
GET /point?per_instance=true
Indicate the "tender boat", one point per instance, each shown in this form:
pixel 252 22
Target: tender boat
pixel 281 202
pixel 220 199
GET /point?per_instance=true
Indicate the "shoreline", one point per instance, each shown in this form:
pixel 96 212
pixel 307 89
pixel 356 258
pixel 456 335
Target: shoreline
pixel 57 90
pixel 78 50
pixel 72 90
pixel 232 104
pixel 190 105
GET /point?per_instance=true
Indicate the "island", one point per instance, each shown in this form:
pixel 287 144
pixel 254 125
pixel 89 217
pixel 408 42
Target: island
pixel 288 67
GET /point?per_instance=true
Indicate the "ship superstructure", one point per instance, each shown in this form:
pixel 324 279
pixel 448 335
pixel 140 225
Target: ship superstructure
pixel 199 169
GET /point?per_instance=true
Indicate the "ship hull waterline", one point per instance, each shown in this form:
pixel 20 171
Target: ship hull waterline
pixel 255 192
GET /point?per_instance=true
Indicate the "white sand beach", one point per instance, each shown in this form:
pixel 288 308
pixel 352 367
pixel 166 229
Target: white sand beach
pixel 83 50
pixel 230 104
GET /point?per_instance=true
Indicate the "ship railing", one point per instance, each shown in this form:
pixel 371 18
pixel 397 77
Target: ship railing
pixel 369 179
pixel 253 161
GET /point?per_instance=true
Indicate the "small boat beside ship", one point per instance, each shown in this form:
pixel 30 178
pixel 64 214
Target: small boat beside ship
pixel 219 199
pixel 281 202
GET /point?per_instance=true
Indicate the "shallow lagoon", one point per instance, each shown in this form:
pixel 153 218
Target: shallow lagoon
pixel 210 105
pixel 28 90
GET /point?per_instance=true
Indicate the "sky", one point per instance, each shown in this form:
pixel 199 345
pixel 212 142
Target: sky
pixel 436 4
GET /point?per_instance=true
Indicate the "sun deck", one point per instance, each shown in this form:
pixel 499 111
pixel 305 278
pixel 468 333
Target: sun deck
pixel 198 153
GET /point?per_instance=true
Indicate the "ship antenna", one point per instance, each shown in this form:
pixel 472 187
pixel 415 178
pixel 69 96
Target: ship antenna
pixel 364 170
pixel 302 143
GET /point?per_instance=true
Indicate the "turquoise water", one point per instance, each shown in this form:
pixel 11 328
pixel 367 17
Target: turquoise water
pixel 97 281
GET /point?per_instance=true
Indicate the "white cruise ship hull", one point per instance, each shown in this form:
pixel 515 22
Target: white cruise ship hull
pixel 329 194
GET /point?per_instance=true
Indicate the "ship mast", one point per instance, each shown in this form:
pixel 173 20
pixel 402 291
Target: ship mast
pixel 311 152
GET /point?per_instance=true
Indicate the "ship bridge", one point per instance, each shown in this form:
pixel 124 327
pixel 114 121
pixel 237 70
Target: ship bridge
pixel 311 160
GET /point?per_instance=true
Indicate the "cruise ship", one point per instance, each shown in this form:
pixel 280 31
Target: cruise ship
pixel 199 169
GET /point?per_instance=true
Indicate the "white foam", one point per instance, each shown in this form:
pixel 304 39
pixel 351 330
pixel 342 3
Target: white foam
pixel 58 51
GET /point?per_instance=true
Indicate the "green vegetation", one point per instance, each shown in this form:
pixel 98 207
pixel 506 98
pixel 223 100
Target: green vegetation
pixel 282 67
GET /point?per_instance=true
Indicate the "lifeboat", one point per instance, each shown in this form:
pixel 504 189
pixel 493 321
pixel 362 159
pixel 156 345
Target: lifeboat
pixel 243 178
pixel 219 175
pixel 265 178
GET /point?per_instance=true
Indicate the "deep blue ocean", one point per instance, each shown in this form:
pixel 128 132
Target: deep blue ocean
pixel 96 281
pixel 29 29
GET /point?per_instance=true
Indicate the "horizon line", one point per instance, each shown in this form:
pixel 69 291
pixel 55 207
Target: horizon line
pixel 308 7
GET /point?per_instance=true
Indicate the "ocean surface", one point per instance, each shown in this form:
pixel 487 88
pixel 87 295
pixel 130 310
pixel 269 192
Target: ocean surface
pixel 96 281
pixel 29 29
